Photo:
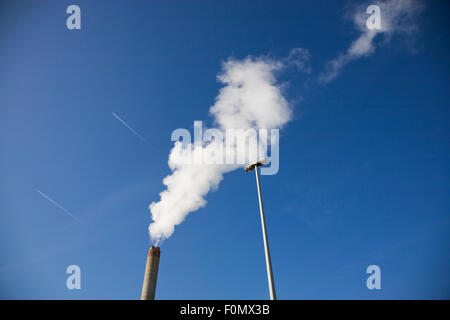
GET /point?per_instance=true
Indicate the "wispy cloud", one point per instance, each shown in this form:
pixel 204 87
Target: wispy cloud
pixel 58 205
pixel 129 127
pixel 397 16
pixel 299 58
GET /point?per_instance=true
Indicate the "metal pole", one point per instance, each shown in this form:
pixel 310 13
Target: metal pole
pixel 273 295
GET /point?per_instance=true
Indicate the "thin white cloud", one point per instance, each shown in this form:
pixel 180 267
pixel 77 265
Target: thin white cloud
pixel 397 17
pixel 299 58
pixel 128 126
pixel 58 205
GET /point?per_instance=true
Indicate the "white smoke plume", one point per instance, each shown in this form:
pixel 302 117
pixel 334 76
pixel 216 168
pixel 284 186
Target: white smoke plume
pixel 251 98
pixel 397 16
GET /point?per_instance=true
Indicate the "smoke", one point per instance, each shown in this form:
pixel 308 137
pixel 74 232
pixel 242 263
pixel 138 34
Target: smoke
pixel 397 16
pixel 251 98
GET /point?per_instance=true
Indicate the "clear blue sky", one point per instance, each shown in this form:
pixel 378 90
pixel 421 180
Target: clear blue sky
pixel 364 172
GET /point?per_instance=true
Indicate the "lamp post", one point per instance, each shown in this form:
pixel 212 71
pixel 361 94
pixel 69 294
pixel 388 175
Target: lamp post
pixel 249 168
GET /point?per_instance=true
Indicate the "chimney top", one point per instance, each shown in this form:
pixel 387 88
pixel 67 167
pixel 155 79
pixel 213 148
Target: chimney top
pixel 154 251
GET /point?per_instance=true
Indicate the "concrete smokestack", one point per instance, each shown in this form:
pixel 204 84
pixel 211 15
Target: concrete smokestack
pixel 151 274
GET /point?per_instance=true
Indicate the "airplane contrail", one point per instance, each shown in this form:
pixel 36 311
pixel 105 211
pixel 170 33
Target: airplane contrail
pixel 130 128
pixel 58 205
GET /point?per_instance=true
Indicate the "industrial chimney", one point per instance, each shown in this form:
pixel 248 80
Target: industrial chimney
pixel 151 274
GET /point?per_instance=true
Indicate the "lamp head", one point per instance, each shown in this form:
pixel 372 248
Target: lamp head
pixel 259 163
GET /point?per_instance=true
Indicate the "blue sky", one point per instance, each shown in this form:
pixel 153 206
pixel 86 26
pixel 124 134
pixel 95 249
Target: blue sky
pixel 364 164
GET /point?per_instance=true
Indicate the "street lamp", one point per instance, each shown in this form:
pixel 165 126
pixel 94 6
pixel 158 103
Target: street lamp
pixel 249 168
